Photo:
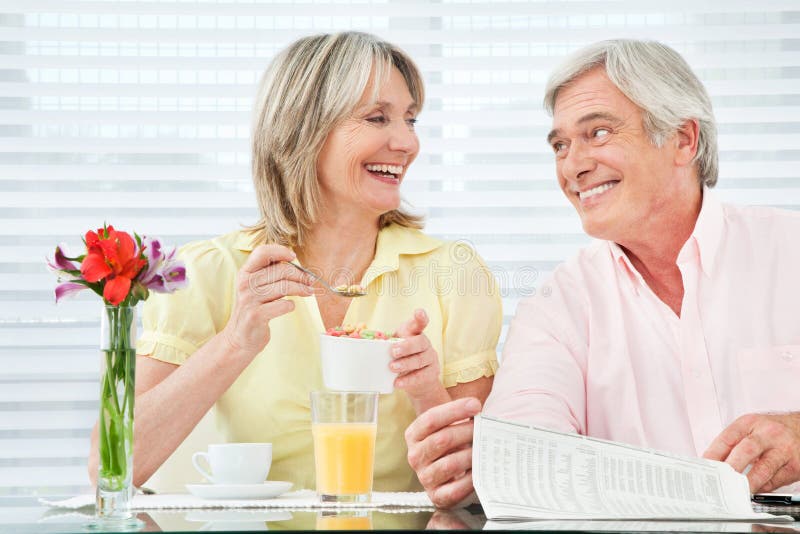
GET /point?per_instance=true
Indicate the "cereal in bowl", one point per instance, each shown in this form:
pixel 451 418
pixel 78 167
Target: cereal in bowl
pixel 359 331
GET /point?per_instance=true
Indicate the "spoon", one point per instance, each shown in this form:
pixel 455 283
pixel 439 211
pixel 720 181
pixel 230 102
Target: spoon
pixel 342 291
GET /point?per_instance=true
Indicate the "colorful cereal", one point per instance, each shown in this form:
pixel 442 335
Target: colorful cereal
pixel 359 331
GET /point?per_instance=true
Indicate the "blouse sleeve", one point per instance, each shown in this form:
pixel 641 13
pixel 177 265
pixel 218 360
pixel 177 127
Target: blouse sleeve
pixel 175 325
pixel 473 315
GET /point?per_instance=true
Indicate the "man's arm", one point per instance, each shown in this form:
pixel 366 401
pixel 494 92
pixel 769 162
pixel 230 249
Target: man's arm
pixel 540 381
pixel 768 443
pixel 541 376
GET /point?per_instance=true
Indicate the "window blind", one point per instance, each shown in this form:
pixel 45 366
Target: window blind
pixel 137 113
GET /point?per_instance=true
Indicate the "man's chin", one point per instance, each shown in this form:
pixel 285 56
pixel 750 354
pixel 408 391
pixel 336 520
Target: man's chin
pixel 596 229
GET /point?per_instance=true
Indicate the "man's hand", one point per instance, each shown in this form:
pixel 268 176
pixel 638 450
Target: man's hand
pixel 440 450
pixel 769 443
pixel 450 520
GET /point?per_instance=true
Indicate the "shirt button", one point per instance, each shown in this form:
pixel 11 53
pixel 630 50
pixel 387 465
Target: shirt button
pixel 787 356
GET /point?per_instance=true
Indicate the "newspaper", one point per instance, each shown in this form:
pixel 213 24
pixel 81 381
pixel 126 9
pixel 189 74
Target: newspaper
pixel 527 472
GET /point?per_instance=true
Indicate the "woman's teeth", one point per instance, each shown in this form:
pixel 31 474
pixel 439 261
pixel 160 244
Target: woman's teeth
pixel 596 190
pixel 395 170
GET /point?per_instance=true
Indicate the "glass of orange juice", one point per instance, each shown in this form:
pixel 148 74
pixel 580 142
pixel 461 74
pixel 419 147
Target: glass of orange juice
pixel 344 424
pixel 344 520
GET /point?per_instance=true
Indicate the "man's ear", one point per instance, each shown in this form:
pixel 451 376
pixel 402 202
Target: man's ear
pixel 687 137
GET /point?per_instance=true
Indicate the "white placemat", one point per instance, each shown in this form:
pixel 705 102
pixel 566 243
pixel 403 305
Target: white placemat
pixel 303 499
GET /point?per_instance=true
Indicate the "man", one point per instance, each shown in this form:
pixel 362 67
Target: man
pixel 677 330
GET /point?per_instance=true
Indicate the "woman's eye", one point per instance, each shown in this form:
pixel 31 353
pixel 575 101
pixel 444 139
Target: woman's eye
pixel 411 122
pixel 376 119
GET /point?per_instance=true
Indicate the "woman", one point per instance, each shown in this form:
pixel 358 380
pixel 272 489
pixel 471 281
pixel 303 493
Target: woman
pixel 332 141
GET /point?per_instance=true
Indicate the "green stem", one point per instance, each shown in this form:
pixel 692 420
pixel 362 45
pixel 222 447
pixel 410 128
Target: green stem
pixel 116 419
pixel 111 382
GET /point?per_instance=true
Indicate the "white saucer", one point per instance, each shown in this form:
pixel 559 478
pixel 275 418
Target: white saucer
pixel 267 490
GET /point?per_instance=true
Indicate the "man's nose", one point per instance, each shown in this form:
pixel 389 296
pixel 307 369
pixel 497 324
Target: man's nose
pixel 578 161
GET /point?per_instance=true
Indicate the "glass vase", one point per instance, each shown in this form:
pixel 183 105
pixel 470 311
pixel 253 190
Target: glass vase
pixel 115 424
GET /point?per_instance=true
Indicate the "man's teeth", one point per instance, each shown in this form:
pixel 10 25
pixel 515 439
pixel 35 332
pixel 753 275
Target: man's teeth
pixel 596 190
pixel 392 169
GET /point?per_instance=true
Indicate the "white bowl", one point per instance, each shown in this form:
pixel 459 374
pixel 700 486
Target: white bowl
pixel 352 364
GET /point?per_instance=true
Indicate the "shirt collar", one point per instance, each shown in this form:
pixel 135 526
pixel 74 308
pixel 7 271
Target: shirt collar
pixel 704 240
pixel 622 261
pixel 245 241
pixel 707 233
pixel 393 241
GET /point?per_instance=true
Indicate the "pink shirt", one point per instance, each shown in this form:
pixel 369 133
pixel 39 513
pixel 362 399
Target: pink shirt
pixel 596 352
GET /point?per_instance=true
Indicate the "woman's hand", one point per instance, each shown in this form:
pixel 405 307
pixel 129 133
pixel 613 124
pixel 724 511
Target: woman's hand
pixel 261 285
pixel 417 364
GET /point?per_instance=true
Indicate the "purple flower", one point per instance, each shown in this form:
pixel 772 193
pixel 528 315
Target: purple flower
pixel 153 255
pixel 174 277
pixel 68 289
pixel 68 271
pixel 60 263
pixel 164 272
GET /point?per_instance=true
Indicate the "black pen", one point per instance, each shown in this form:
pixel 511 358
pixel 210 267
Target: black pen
pixel 776 498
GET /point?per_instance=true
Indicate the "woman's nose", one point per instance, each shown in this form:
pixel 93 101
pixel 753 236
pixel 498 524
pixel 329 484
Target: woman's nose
pixel 403 138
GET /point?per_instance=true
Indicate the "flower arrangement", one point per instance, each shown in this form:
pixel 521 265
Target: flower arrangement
pixel 119 268
pixel 123 270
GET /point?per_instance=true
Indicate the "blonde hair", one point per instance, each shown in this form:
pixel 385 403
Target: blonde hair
pixel 658 80
pixel 310 87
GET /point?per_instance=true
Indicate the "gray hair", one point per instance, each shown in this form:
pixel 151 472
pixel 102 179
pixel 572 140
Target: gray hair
pixel 658 80
pixel 309 88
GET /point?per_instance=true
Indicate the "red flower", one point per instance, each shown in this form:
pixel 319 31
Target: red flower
pixel 111 255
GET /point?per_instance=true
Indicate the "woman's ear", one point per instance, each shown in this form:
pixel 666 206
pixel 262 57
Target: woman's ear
pixel 687 137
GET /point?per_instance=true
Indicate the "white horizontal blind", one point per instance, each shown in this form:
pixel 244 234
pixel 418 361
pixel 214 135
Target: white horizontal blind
pixel 137 113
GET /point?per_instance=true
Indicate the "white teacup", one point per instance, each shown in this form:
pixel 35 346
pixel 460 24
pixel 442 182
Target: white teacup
pixel 352 364
pixel 235 463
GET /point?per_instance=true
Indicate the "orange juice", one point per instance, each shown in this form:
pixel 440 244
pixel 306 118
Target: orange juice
pixel 344 454
pixel 344 521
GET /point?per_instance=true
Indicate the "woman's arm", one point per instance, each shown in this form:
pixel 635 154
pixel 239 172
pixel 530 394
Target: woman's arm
pixel 417 365
pixel 478 389
pixel 171 400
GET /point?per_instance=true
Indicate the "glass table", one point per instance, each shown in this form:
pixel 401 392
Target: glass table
pixel 23 515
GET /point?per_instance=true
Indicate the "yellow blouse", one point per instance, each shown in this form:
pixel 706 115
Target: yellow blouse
pixel 269 402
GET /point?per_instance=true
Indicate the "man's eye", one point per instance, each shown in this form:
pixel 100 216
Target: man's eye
pixel 559 147
pixel 601 132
